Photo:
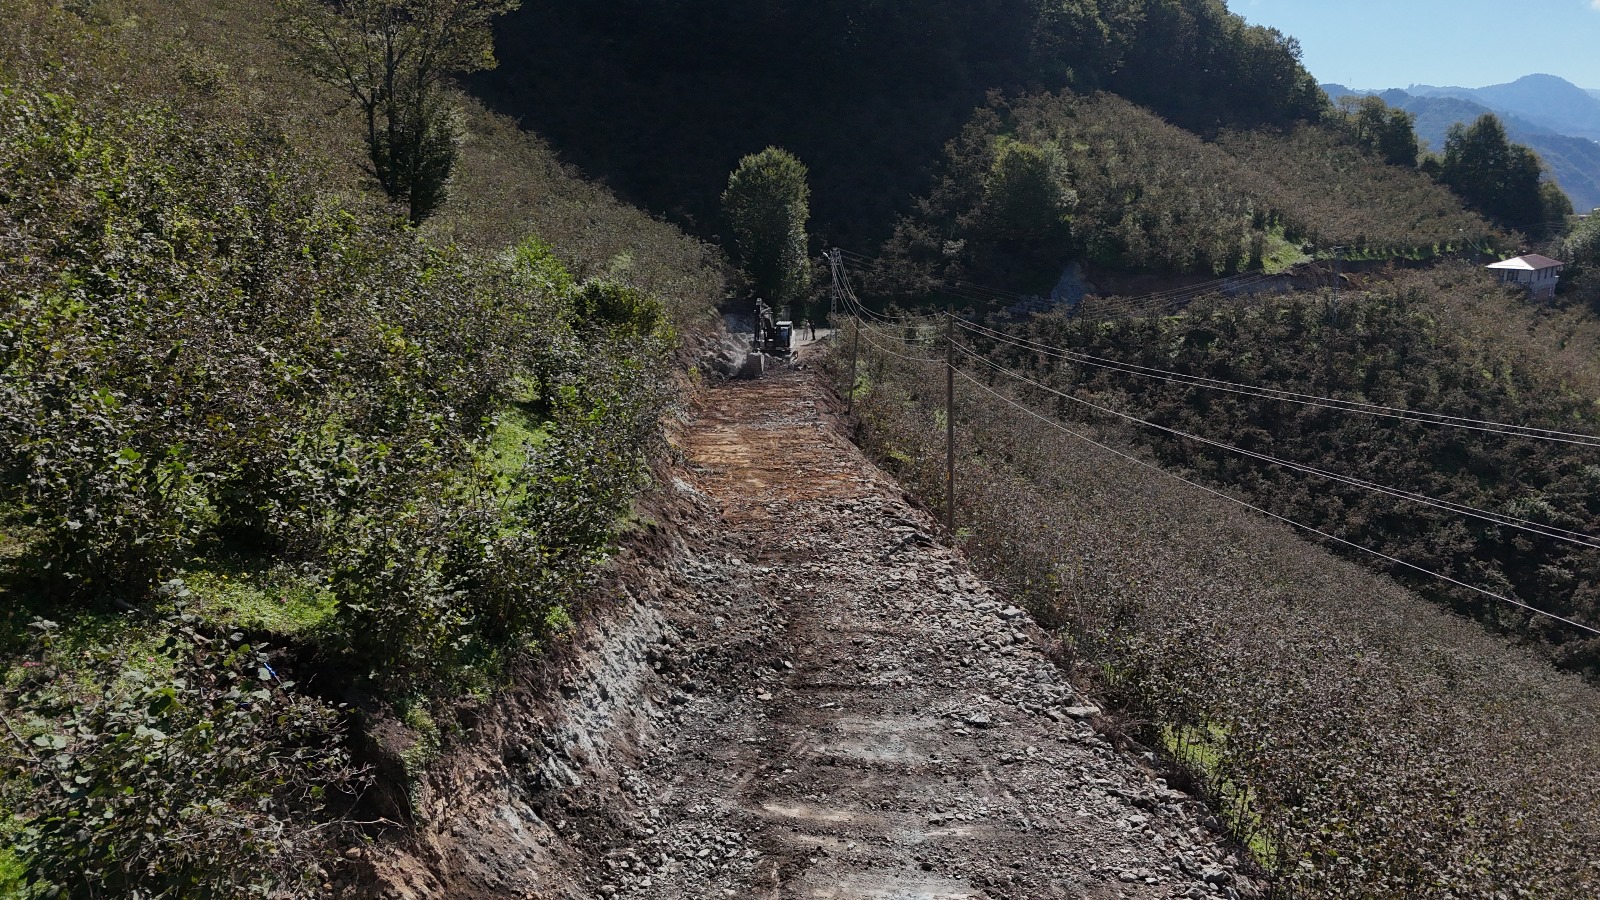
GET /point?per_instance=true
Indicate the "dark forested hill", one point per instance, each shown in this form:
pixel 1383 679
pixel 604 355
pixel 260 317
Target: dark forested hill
pixel 662 98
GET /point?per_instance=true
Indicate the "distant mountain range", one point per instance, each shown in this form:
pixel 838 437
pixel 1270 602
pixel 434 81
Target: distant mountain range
pixel 1558 119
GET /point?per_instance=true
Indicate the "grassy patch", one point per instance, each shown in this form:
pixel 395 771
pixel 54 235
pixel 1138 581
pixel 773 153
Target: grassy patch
pixel 1201 751
pixel 278 600
pixel 14 535
pixel 229 593
pixel 71 635
pixel 13 877
pixel 1194 747
pixel 862 386
pixel 425 749
pixel 1282 254
pixel 506 453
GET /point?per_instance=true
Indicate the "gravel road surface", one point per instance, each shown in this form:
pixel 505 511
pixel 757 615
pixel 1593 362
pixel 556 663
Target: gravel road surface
pixel 816 699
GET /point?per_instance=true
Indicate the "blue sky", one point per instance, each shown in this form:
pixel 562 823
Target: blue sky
pixel 1466 43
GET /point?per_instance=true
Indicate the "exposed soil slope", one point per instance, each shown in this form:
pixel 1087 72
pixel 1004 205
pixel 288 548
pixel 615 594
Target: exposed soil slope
pixel 817 700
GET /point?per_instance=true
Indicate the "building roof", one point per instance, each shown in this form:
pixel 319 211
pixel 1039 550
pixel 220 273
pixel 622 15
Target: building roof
pixel 1530 263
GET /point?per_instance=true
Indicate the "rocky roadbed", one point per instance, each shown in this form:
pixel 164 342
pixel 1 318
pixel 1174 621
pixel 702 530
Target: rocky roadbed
pixel 813 698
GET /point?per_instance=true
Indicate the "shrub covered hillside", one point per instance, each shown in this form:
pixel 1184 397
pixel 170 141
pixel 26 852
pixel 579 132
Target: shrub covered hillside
pixel 266 451
pixel 1410 345
pixel 1038 181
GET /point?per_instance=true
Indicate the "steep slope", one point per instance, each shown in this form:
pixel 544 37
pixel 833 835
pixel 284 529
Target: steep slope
pixel 662 98
pixel 1043 180
pixel 1336 715
pixel 283 479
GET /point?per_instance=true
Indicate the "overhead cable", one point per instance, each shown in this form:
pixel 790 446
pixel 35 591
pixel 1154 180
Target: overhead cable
pixel 1508 521
pixel 1323 534
pixel 1354 406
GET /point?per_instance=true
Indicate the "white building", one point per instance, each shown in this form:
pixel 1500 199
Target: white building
pixel 1538 275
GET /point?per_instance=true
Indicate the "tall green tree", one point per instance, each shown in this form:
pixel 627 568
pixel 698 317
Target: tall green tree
pixel 1498 178
pixel 767 204
pixel 1203 67
pixel 1385 130
pixel 1027 205
pixel 1072 44
pixel 392 58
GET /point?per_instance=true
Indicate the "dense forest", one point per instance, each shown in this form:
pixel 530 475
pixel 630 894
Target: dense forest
pixel 661 99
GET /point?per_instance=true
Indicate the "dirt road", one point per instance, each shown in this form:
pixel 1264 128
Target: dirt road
pixel 831 706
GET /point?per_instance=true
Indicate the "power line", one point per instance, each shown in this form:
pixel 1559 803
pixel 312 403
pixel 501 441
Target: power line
pixel 866 329
pixel 1500 519
pixel 1353 406
pixel 1003 294
pixel 1508 521
pixel 1422 417
pixel 848 293
pixel 1459 508
pixel 1323 534
pixel 1099 308
pixel 884 350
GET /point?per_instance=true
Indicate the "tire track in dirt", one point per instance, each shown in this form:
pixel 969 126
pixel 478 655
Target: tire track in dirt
pixel 849 713
pixel 790 690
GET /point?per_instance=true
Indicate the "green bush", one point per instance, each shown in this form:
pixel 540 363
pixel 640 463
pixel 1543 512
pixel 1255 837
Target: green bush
pixel 191 773
pixel 13 877
pixel 335 410
pixel 536 262
pixel 1582 247
pixel 619 308
pixel 439 580
pixel 212 362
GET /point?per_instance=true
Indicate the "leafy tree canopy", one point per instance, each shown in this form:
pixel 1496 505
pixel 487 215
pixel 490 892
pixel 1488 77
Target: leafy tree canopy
pixel 1582 246
pixel 1387 131
pixel 391 57
pixel 653 94
pixel 767 204
pixel 1498 178
pixel 1026 194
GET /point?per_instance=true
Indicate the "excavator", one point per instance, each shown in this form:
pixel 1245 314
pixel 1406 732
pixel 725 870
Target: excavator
pixel 774 337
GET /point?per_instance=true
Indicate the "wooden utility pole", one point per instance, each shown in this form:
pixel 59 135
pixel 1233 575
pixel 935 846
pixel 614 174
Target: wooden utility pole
pixel 855 353
pixel 836 267
pixel 950 420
